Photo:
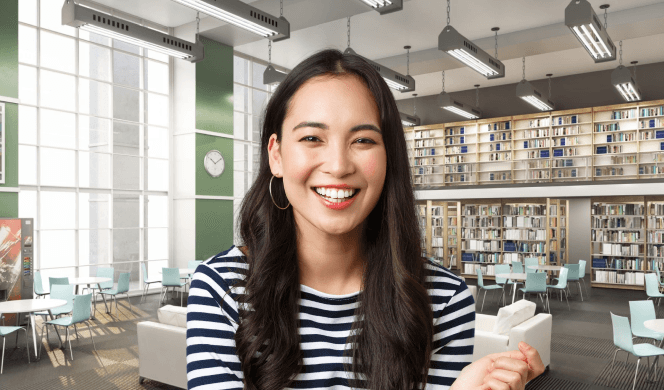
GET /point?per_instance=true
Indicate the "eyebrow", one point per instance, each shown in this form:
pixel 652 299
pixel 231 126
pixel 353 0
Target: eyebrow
pixel 323 126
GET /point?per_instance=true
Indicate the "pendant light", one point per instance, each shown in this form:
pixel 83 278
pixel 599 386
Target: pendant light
pixel 385 6
pixel 587 28
pixel 450 104
pixel 456 45
pixel 526 91
pixel 272 76
pixel 411 120
pixel 622 79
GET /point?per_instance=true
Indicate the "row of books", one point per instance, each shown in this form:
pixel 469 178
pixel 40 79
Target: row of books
pixel 479 245
pixel 506 136
pixel 471 269
pixel 651 123
pixel 525 247
pixel 620 249
pixel 500 176
pixel 423 134
pixel 456 149
pixel 498 126
pixel 600 128
pixel 536 143
pixel 563 163
pixel 655 251
pixel 425 161
pixel 458 168
pixel 425 142
pixel 455 131
pixel 566 141
pixel 521 234
pixel 637 278
pixel 500 157
pixel 437 241
pixel 481 222
pixel 651 169
pixel 480 210
pixel 538 175
pixel 566 120
pixel 526 222
pixel 624 114
pixel 652 111
pixel 656 209
pixel 424 170
pixel 609 149
pixel 483 234
pixel 455 159
pixel 621 137
pixel 539 122
pixel 425 152
pixel 617 209
pixel 539 133
pixel 571 130
pixel 615 236
pixel 539 210
pixel 613 223
pixel 499 146
pixel 655 237
pixel 515 256
pixel 655 222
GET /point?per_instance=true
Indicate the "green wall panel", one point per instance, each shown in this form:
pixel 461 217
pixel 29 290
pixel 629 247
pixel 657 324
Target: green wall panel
pixel 206 184
pixel 214 88
pixel 9 205
pixel 11 149
pixel 214 227
pixel 9 48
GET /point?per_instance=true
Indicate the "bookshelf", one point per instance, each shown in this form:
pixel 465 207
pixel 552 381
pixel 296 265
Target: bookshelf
pixel 616 142
pixel 444 231
pixel 558 226
pixel 481 237
pixel 655 231
pixel 424 221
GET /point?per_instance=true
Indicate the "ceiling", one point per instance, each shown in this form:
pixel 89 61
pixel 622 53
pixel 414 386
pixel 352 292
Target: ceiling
pixel 531 28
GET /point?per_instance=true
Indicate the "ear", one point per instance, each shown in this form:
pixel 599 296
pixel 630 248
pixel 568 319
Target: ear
pixel 274 155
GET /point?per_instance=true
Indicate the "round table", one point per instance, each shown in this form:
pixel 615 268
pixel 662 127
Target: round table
pixel 546 267
pixel 31 306
pixel 89 280
pixel 513 276
pixel 656 326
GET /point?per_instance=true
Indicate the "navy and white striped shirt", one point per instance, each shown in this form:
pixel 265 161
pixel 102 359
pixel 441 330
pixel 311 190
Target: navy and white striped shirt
pixel 325 323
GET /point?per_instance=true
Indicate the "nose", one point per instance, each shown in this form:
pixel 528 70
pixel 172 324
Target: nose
pixel 338 160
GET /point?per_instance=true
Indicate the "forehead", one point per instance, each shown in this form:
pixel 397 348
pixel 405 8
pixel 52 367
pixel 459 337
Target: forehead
pixel 332 92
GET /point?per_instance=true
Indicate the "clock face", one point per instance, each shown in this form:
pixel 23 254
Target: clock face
pixel 214 163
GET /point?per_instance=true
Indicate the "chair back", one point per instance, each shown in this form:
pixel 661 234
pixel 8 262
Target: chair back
pixel 106 272
pixel 622 333
pixel 144 270
pixel 536 282
pixel 480 281
pixel 531 261
pixel 123 282
pixel 517 267
pixel 573 273
pixel 193 263
pixel 640 312
pixel 39 287
pixel 659 275
pixel 582 269
pixel 52 281
pixel 81 310
pixel 170 277
pixel 562 278
pixel 502 269
pixel 66 292
pixel 652 287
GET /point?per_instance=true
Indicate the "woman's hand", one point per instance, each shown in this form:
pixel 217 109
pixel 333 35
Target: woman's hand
pixel 501 371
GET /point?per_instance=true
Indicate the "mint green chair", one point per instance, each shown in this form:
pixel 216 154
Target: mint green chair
pixel 582 274
pixel 502 282
pixel 39 286
pixel 146 281
pixel 561 286
pixel 80 314
pixel 60 291
pixel 480 284
pixel 659 275
pixel 640 312
pixel 517 267
pixel 104 272
pixel 536 283
pixel 52 281
pixel 573 276
pixel 652 287
pixel 529 262
pixel 171 279
pixel 122 288
pixel 622 339
pixel 4 332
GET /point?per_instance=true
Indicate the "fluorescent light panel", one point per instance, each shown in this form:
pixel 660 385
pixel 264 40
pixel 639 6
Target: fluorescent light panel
pixel 461 112
pixel 384 6
pixel 446 102
pixel 409 120
pixel 454 44
pixel 622 79
pixel 586 26
pixel 393 79
pixel 526 91
pixel 244 16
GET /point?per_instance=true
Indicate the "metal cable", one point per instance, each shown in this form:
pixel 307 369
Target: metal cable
pixel 496 52
pixel 348 31
pixel 443 81
pixel 269 52
pixel 524 68
pixel 477 96
pixel 198 22
pixel 605 18
pixel 448 12
pixel 281 8
pixel 620 52
pixel 407 62
pixel 549 87
pixel 414 104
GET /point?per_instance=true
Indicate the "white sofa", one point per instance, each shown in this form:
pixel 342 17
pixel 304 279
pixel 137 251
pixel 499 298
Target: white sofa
pixel 514 323
pixel 162 347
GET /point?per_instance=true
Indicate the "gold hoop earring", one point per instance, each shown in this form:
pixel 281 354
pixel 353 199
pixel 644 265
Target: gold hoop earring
pixel 275 203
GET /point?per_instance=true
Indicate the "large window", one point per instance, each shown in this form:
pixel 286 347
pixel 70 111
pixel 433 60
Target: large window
pixel 93 148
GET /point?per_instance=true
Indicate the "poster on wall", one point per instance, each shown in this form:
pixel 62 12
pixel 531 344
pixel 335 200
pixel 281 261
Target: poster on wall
pixel 10 262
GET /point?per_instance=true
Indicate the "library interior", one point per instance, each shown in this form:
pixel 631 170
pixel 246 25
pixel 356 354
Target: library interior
pixel 131 134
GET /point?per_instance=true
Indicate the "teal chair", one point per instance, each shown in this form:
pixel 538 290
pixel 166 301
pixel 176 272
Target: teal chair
pixel 52 281
pixel 122 288
pixel 582 275
pixel 502 282
pixel 4 332
pixel 536 283
pixel 146 281
pixel 104 272
pixel 561 286
pixel 573 276
pixel 39 286
pixel 622 339
pixel 60 291
pixel 171 279
pixel 480 284
pixel 652 287
pixel 529 262
pixel 517 267
pixel 80 314
pixel 640 312
pixel 659 275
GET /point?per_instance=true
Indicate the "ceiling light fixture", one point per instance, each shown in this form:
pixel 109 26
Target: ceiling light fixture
pixel 393 79
pixel 526 91
pixel 622 79
pixel 385 6
pixel 411 120
pixel 272 76
pixel 462 49
pixel 78 16
pixel 450 104
pixel 244 16
pixel 587 28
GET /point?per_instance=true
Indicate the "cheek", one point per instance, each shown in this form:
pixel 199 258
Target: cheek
pixel 299 164
pixel 374 167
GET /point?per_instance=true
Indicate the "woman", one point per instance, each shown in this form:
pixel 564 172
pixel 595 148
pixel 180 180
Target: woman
pixel 330 289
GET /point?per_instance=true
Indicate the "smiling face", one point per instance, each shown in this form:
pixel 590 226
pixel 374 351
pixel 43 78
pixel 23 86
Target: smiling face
pixel 331 154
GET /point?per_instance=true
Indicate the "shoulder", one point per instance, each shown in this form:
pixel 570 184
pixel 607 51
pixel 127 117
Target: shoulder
pixel 449 294
pixel 230 264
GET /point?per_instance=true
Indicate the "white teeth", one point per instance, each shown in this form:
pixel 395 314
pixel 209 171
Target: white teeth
pixel 335 195
pixel 328 192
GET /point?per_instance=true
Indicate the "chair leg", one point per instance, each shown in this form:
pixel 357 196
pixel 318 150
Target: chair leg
pixel 27 344
pixel 129 301
pixel 561 297
pixel 613 362
pixel 2 364
pixel 182 295
pixel 69 340
pixel 636 373
pixel 580 290
pixel 91 335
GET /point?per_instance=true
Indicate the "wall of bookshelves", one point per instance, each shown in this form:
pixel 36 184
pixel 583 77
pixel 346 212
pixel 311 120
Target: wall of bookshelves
pixel 497 231
pixel 624 141
pixel 626 240
pixel 441 231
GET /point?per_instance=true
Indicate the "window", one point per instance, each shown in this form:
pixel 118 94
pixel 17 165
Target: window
pixel 93 146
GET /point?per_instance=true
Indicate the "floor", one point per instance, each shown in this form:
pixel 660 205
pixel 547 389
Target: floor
pixel 582 349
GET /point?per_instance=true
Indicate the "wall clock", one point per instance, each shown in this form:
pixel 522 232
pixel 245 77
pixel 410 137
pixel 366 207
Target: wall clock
pixel 214 163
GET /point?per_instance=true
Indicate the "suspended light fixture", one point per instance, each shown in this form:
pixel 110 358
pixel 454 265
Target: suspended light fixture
pixel 393 79
pixel 526 91
pixel 385 6
pixel 272 76
pixel 462 49
pixel 411 120
pixel 244 16
pixel 622 79
pixel 450 104
pixel 587 28
pixel 78 16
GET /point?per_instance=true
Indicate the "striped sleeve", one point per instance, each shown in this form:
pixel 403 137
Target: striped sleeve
pixel 212 361
pixel 454 327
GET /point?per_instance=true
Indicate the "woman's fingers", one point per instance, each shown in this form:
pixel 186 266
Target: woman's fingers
pixel 533 359
pixel 518 367
pixel 495 384
pixel 514 380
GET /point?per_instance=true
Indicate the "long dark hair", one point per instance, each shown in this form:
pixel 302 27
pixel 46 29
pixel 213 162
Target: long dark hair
pixel 393 343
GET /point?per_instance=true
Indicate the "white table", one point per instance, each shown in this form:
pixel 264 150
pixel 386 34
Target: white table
pixel 657 326
pixel 513 276
pixel 556 268
pixel 184 271
pixel 90 280
pixel 31 306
